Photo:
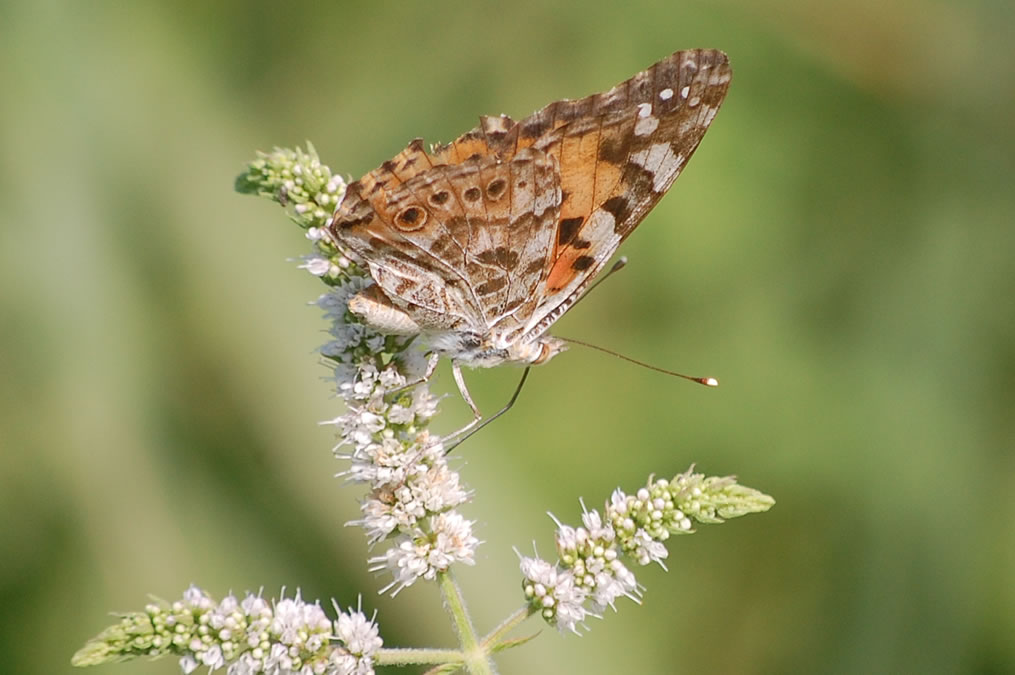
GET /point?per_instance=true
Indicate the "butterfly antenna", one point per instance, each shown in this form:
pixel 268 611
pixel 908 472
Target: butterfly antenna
pixel 707 381
pixel 514 397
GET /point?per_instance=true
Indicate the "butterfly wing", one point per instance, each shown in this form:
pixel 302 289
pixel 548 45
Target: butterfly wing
pixel 619 153
pixel 577 177
pixel 460 244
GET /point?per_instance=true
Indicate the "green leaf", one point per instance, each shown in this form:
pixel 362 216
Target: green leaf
pixel 514 642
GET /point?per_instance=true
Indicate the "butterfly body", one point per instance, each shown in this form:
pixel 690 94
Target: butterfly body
pixel 472 348
pixel 479 246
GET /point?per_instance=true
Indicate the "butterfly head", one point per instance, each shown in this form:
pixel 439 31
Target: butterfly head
pixel 475 351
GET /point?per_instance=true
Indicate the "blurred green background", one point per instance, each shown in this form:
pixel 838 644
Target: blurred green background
pixel 840 253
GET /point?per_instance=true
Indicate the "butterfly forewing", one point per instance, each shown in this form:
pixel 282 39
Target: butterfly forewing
pixel 648 128
pixel 499 231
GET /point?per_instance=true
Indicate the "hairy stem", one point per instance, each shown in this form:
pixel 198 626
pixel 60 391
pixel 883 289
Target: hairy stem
pixel 477 660
pixel 506 626
pixel 405 657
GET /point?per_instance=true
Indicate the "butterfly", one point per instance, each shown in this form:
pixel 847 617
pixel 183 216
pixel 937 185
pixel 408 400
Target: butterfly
pixel 480 245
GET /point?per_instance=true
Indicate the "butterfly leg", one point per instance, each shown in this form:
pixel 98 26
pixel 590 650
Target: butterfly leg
pixel 431 365
pixel 456 370
pixel 456 437
pixel 475 425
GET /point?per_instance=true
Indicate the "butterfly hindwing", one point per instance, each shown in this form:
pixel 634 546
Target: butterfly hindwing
pixel 469 240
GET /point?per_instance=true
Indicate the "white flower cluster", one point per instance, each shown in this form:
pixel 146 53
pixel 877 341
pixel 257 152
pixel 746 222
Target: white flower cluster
pixel 320 263
pixel 384 437
pixel 251 636
pixel 296 177
pixel 245 636
pixel 590 576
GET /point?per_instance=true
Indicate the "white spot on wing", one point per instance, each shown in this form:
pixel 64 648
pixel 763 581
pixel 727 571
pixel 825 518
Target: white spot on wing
pixel 660 161
pixel 495 124
pixel 644 109
pixel 600 226
pixel 666 94
pixel 645 125
pixel 684 92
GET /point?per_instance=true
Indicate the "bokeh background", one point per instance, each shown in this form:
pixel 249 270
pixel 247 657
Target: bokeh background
pixel 840 253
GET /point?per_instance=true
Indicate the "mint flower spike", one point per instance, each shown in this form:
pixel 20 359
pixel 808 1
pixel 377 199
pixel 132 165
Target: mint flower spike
pixel 590 576
pixel 245 636
pixel 412 492
pixel 297 178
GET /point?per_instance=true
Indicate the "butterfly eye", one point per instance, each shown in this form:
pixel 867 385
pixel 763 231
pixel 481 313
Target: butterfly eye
pixel 495 188
pixel 410 219
pixel 439 198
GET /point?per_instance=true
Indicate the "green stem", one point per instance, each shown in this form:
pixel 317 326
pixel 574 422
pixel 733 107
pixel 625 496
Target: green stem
pixel 405 657
pixel 476 658
pixel 506 626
